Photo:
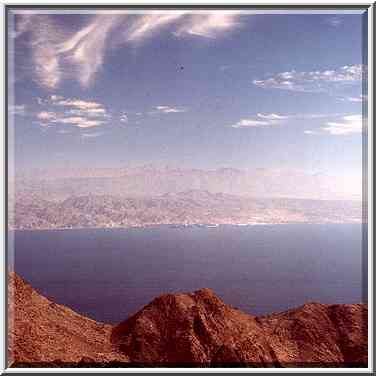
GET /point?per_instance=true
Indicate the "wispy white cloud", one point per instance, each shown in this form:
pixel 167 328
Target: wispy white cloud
pixel 55 98
pixel 74 112
pixel 168 109
pixel 95 112
pixel 335 124
pixel 78 121
pixel 209 25
pixel 313 81
pixel 44 34
pixel 245 123
pixel 124 118
pixel 260 120
pixel 79 107
pixel 77 103
pixel 355 99
pixel 46 116
pixel 91 135
pixel 145 26
pixel 272 116
pixel 349 124
pixel 358 99
pixel 22 25
pixel 47 66
pixel 340 126
pixel 58 53
pixel 86 48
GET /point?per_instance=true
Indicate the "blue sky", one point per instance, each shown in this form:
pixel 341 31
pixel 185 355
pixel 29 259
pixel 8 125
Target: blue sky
pixel 205 90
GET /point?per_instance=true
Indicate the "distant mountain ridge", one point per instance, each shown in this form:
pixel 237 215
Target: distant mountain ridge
pixel 182 208
pixel 186 329
pixel 150 181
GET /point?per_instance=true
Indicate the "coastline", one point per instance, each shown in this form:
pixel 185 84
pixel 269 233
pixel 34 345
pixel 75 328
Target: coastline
pixel 183 226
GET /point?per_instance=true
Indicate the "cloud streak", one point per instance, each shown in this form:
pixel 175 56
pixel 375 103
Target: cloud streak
pixel 124 118
pixel 335 124
pixel 350 124
pixel 343 125
pixel 260 120
pixel 85 50
pixel 91 135
pixel 59 54
pixel 77 103
pixel 356 99
pixel 314 81
pixel 46 116
pixel 209 25
pixel 168 110
pixel 78 121
pixel 42 34
pixel 73 112
pixel 145 26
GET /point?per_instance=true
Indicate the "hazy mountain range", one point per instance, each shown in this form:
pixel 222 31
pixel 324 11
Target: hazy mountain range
pixel 151 180
pixel 191 207
pixel 79 198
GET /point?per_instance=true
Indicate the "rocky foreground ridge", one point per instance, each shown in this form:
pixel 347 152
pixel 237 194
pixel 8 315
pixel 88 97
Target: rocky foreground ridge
pixel 186 330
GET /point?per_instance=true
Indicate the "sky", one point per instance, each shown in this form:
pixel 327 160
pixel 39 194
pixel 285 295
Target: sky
pixel 275 90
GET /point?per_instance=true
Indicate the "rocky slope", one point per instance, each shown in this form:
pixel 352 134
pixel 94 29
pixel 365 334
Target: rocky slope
pixel 185 329
pixel 200 328
pixel 41 332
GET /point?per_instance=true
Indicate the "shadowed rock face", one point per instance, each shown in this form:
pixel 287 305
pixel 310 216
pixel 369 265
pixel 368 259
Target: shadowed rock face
pixel 189 328
pixel 199 327
pixel 318 333
pixel 186 329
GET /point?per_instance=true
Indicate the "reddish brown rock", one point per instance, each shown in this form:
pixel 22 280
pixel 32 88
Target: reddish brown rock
pixel 199 328
pixel 42 332
pixel 319 334
pixel 185 329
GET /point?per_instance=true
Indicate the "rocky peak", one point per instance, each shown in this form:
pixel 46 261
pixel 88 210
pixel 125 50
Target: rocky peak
pixel 185 329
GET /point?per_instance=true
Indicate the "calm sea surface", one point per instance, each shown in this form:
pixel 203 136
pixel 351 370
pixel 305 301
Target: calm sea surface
pixel 108 274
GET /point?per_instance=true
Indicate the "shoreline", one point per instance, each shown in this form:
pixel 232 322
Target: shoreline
pixel 183 226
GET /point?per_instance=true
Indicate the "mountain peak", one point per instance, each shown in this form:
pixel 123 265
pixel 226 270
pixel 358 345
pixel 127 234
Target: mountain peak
pixel 185 329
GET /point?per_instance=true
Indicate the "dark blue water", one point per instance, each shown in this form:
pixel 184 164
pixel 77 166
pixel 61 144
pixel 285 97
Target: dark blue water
pixel 108 274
